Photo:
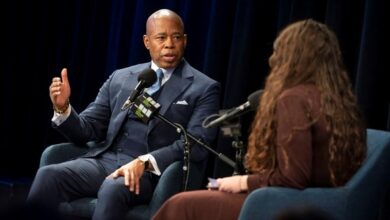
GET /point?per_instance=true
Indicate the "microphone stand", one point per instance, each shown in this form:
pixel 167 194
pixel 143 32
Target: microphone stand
pixel 239 146
pixel 233 130
pixel 186 152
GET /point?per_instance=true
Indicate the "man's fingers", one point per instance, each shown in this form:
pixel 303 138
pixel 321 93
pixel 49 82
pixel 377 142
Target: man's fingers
pixel 132 182
pixel 127 177
pixel 114 174
pixel 55 84
pixel 56 79
pixel 137 186
pixel 136 182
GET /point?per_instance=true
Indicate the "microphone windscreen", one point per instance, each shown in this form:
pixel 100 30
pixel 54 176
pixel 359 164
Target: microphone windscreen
pixel 254 99
pixel 148 76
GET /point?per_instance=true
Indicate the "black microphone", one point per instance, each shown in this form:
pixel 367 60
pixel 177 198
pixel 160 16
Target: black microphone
pixel 145 79
pixel 250 105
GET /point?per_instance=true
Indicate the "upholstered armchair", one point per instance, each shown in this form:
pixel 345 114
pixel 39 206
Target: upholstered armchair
pixel 170 183
pixel 365 196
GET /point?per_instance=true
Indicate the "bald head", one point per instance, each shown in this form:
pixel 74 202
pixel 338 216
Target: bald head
pixel 163 14
pixel 165 38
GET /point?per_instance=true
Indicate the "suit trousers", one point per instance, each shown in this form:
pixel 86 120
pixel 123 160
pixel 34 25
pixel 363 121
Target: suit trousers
pixel 87 177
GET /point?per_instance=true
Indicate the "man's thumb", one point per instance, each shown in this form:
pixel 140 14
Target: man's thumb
pixel 64 76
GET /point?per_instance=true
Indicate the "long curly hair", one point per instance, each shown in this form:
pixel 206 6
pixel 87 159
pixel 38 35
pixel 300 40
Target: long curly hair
pixel 308 52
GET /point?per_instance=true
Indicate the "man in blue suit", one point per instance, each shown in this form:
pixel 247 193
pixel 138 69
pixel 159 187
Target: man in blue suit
pixel 123 171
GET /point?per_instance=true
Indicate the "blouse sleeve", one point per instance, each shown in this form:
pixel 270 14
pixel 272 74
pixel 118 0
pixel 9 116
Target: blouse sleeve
pixel 294 147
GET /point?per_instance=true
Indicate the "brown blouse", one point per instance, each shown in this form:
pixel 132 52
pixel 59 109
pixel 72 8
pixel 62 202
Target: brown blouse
pixel 302 146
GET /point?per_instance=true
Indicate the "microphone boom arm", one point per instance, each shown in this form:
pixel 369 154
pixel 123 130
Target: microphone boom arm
pixel 221 156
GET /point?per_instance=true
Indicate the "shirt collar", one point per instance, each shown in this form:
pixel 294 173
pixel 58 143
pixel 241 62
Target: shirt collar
pixel 167 72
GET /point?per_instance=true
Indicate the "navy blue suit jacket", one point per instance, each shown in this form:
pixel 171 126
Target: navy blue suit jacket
pixel 103 118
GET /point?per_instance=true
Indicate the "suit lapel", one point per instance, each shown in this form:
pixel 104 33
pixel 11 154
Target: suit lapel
pixel 180 80
pixel 172 89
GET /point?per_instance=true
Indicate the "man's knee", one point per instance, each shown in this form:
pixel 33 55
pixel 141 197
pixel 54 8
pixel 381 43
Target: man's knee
pixel 48 172
pixel 113 189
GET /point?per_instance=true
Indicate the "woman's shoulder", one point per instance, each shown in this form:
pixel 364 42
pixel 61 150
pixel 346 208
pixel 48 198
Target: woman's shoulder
pixel 305 91
pixel 305 96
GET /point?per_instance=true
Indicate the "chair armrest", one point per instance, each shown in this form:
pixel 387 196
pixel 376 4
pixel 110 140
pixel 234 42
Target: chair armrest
pixel 169 184
pixel 171 181
pixel 268 202
pixel 58 153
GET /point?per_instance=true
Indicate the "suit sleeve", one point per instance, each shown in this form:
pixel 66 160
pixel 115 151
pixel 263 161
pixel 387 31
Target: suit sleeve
pixel 92 123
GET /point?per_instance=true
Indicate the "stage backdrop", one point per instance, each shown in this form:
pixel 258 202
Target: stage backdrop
pixel 228 40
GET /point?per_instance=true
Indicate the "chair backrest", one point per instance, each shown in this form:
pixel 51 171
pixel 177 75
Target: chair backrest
pixel 371 183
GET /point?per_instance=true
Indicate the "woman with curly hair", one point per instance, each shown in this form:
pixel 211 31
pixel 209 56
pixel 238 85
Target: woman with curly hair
pixel 307 132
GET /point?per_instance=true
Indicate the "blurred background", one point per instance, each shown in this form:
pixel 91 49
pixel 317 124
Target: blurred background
pixel 230 41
